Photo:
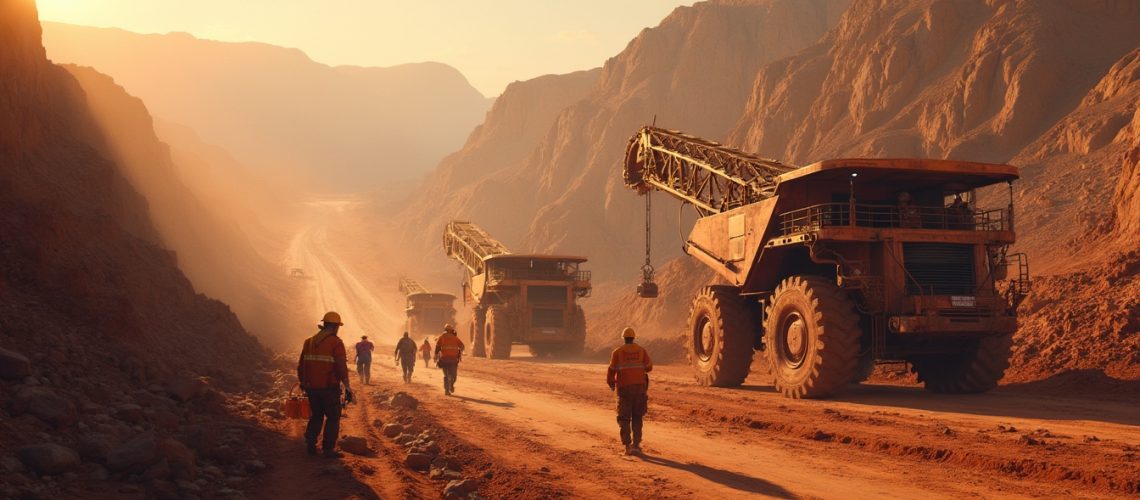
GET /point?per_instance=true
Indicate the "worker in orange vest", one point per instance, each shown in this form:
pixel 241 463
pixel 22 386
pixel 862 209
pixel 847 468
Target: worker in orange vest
pixel 448 352
pixel 322 369
pixel 425 349
pixel 628 374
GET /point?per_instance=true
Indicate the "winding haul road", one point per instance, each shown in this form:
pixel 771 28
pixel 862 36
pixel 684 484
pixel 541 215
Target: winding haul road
pixel 555 422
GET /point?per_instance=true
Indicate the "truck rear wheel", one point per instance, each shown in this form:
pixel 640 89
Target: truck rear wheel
pixel 977 370
pixel 498 332
pixel 478 343
pixel 812 337
pixel 721 327
pixel 577 335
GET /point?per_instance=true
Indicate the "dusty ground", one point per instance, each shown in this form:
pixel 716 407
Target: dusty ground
pixel 547 429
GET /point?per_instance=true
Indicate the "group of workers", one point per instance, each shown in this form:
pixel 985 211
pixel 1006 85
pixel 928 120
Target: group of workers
pixel 323 368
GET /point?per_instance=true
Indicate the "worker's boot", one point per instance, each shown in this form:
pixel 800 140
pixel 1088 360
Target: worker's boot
pixel 311 448
pixel 331 453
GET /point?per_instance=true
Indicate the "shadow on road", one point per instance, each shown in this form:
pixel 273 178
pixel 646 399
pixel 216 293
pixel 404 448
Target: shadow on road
pixel 723 477
pixel 1012 402
pixel 498 404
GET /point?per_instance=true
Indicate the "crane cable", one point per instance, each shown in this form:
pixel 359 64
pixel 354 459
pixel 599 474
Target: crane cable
pixel 647 269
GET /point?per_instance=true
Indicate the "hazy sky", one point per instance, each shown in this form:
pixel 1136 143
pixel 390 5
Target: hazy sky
pixel 493 42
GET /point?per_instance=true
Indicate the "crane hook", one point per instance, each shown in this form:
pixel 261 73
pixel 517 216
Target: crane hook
pixel 647 289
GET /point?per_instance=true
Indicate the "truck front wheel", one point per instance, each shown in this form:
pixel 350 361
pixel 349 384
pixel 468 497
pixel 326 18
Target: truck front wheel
pixel 812 337
pixel 721 327
pixel 978 369
pixel 498 332
pixel 478 345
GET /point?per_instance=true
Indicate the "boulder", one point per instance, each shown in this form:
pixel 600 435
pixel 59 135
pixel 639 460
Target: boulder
pixel 13 365
pixel 460 488
pixel 96 446
pixel 130 412
pixel 45 405
pixel 403 400
pixel 393 430
pixel 404 439
pixel 48 458
pixel 135 454
pixel 183 463
pixel 418 461
pixel 355 445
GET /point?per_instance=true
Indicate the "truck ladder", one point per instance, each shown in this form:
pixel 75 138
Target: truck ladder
pixel 712 177
pixel 469 244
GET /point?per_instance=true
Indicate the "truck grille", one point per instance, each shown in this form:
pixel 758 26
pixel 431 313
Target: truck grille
pixel 551 318
pixel 939 268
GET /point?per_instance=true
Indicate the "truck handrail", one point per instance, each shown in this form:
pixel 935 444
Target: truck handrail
pixel 892 216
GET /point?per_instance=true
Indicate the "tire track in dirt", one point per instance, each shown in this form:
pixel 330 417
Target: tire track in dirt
pixel 969 442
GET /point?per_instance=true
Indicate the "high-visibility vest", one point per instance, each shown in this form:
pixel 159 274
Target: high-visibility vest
pixel 318 366
pixel 629 365
pixel 449 346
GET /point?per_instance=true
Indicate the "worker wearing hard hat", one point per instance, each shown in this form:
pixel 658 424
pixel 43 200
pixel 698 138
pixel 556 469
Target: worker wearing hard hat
pixel 321 370
pixel 405 356
pixel 628 374
pixel 448 352
pixel 425 349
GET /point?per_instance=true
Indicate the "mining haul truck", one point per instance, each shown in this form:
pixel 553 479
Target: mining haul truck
pixel 519 299
pixel 833 267
pixel 427 312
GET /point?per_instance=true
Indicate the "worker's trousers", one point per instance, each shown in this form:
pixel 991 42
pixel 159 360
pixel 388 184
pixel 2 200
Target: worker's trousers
pixel 364 369
pixel 427 360
pixel 325 406
pixel 450 372
pixel 633 402
pixel 409 365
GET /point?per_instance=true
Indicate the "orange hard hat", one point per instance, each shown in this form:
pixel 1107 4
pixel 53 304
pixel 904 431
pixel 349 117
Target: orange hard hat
pixel 333 318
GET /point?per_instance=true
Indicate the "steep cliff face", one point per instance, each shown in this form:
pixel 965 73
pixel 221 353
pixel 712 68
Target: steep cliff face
pixel 274 108
pixel 210 245
pixel 514 126
pixel 691 71
pixel 971 80
pixel 82 276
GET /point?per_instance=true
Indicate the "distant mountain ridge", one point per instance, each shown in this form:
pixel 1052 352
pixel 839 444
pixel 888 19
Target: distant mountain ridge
pixel 331 128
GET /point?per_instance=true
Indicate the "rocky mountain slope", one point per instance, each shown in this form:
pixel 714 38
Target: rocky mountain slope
pixel 694 70
pixel 93 309
pixel 332 128
pixel 208 227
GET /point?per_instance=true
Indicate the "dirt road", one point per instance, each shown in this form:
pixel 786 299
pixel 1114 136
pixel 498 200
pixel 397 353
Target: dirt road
pixel 552 425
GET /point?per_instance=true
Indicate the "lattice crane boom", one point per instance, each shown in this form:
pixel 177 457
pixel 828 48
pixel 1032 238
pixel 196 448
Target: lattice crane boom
pixel 710 176
pixel 411 287
pixel 469 244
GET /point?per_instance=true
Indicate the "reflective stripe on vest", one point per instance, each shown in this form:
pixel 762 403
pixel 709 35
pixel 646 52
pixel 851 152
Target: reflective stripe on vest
pixel 630 366
pixel 319 357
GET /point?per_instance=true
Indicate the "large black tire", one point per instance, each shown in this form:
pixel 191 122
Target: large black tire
pixel 499 329
pixel 812 337
pixel 577 342
pixel 721 328
pixel 478 342
pixel 978 369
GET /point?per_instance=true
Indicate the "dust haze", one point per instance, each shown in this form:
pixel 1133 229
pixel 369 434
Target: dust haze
pixel 177 214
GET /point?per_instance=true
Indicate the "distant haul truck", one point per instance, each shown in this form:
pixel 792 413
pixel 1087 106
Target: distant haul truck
pixel 833 267
pixel 427 313
pixel 529 300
